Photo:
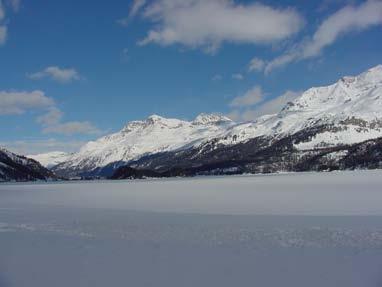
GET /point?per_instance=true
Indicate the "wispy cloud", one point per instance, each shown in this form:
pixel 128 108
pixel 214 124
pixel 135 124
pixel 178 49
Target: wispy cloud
pixel 3 27
pixel 19 102
pixel 256 65
pixel 36 146
pixel 237 76
pixel 275 105
pixel 15 4
pixel 125 55
pixel 217 77
pixel 58 74
pixel 250 98
pixel 52 117
pixel 2 12
pixel 347 20
pixel 3 34
pixel 71 128
pixel 136 6
pixel 189 23
pixel 254 104
pixel 52 122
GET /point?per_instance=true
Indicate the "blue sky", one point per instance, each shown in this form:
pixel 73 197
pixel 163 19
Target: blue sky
pixel 74 70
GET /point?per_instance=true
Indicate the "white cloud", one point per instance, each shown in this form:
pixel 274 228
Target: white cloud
pixel 58 74
pixel 235 116
pixel 2 12
pixel 136 6
pixel 123 21
pixel 15 4
pixel 256 65
pixel 13 103
pixel 209 23
pixel 261 107
pixel 71 128
pixel 238 77
pixel 245 115
pixel 52 117
pixel 3 28
pixel 347 20
pixel 3 24
pixel 217 77
pixel 250 98
pixel 125 55
pixel 282 60
pixel 3 34
pixel 275 105
pixel 16 103
pixel 52 123
pixel 26 147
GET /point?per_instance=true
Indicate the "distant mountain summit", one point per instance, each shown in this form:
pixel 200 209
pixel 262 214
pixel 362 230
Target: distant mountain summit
pixel 19 168
pixel 335 127
pixel 156 134
pixel 323 129
pixel 353 105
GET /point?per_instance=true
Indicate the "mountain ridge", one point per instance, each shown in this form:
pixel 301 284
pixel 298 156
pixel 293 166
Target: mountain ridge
pixel 138 138
pixel 345 113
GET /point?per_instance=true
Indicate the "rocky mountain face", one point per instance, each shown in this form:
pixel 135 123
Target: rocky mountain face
pixel 19 168
pixel 260 155
pixel 326 128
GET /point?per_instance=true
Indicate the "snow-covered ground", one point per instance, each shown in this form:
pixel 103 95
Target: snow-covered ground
pixel 304 229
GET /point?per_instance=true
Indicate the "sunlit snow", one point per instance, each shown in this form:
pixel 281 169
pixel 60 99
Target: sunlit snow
pixel 307 229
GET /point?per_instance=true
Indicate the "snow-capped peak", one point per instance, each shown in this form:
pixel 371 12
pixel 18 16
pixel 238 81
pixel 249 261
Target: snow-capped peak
pixel 351 95
pixel 152 135
pixel 207 119
pixel 373 75
pixel 377 70
pixel 156 118
pixel 153 120
pixel 353 104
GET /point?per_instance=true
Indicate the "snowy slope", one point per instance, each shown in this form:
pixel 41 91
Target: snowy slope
pixel 14 157
pixel 353 105
pixel 138 138
pixel 50 159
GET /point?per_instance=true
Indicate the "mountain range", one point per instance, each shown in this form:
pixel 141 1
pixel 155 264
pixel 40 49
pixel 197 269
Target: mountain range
pixel 327 128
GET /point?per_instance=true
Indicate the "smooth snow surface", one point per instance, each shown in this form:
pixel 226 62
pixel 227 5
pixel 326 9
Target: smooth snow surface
pixel 305 229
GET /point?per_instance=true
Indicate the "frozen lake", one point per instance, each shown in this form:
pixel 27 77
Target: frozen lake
pixel 304 229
